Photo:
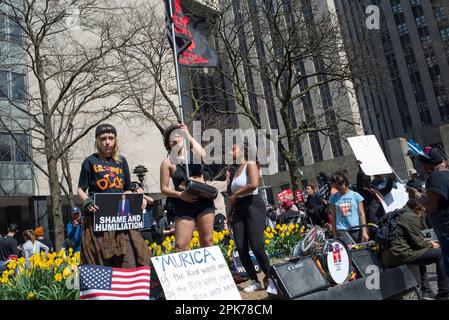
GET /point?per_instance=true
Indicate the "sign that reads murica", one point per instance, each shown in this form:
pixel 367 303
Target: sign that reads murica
pixel 118 211
pixel 200 274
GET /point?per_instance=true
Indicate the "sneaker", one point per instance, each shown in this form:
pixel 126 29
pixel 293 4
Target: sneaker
pixel 428 296
pixel 254 286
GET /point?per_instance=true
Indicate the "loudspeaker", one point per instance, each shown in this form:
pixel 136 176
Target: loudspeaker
pixel 297 277
pixel 364 258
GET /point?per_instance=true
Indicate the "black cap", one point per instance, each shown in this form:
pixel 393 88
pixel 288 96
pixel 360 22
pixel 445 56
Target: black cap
pixel 105 128
pixel 432 156
pixel 13 227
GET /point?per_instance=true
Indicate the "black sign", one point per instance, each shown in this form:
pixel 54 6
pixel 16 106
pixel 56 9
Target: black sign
pixel 118 211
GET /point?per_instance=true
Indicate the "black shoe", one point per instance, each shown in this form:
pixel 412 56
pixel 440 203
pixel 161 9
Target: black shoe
pixel 428 296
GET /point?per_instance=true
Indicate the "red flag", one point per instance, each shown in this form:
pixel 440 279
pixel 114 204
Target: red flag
pixel 191 43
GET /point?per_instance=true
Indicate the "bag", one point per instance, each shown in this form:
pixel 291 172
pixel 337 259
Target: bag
pixel 201 190
pixel 387 226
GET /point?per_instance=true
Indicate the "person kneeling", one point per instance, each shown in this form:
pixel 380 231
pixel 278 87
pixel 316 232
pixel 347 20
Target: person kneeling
pixel 410 247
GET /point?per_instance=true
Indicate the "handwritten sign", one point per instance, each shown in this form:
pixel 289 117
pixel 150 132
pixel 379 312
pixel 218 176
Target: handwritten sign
pixel 118 211
pixel 200 274
pixel 368 151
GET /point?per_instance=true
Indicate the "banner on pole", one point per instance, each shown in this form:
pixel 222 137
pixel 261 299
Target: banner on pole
pixel 192 47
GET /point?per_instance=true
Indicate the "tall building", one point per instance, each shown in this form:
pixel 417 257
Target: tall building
pixel 317 152
pixel 412 45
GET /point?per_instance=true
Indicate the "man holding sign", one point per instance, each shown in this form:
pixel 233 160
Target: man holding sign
pixel 107 172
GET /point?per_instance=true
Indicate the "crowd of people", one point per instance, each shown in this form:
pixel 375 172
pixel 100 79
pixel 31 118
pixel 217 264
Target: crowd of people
pixel 347 210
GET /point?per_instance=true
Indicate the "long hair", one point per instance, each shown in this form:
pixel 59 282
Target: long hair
pixel 28 235
pixel 115 152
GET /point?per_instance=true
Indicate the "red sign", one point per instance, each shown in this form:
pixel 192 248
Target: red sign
pixel 299 196
pixel 285 193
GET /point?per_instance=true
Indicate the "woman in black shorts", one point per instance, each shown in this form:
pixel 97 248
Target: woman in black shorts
pixel 189 209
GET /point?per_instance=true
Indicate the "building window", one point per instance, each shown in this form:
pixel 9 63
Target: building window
pixel 3 30
pixel 415 3
pixel 440 15
pixel 12 85
pixel 22 148
pixel 11 151
pixel 421 21
pixel 444 32
pixel 402 28
pixel 397 8
pixel 4 84
pixel 5 148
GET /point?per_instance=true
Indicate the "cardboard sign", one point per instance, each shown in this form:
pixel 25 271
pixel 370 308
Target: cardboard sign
pixel 118 211
pixel 200 274
pixel 368 151
pixel 396 199
pixel 285 193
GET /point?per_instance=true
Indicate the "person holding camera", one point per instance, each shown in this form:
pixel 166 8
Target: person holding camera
pixel 106 171
pixel 147 213
pixel 189 209
pixel 74 231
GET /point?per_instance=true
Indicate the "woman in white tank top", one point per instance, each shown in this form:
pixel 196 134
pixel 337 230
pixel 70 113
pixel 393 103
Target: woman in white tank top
pixel 248 215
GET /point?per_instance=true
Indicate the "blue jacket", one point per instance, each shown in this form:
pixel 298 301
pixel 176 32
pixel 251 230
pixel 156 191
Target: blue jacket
pixel 74 234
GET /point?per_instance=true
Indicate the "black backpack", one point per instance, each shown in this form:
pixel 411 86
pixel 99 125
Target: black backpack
pixel 387 226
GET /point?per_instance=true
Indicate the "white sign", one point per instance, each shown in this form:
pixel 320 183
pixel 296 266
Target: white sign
pixel 396 199
pixel 368 151
pixel 200 274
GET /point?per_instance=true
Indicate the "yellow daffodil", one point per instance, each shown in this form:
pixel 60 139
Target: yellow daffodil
pixel 31 295
pixel 58 277
pixel 67 272
pixel 58 262
pixel 12 264
pixel 267 242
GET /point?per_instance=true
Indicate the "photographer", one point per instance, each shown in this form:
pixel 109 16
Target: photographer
pixel 74 231
pixel 147 230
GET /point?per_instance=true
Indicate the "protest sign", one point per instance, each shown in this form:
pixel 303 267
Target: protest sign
pixel 396 199
pixel 285 194
pixel 200 274
pixel 368 151
pixel 118 211
pixel 299 196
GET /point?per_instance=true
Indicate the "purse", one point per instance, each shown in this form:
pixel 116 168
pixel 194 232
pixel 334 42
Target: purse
pixel 201 189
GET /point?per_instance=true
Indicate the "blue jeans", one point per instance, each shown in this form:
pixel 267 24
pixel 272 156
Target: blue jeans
pixel 444 243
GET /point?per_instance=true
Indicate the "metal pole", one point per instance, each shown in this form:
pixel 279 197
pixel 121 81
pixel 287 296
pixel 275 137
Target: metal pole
pixel 178 81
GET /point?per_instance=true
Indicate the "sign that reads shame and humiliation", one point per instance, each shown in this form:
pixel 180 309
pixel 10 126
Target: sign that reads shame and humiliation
pixel 118 211
pixel 200 274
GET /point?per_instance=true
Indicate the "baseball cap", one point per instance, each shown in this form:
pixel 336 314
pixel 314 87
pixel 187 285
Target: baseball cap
pixel 13 227
pixel 75 210
pixel 431 156
pixel 412 172
pixel 105 128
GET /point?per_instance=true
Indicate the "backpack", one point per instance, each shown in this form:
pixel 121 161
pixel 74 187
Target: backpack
pixel 385 234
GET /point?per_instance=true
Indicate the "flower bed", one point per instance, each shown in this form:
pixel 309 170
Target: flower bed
pixel 54 277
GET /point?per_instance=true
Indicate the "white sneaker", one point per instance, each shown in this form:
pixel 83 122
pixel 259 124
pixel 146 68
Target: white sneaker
pixel 254 286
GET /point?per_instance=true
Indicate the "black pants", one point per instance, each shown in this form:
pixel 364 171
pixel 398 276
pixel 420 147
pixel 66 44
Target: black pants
pixel 433 256
pixel 248 226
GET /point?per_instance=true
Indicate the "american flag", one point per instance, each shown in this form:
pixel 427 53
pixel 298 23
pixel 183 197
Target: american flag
pixel 106 283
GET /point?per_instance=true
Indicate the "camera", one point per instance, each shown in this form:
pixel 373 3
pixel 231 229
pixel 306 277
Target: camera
pixel 135 185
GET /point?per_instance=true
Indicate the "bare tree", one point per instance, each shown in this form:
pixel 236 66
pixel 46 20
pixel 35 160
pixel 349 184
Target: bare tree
pixel 290 56
pixel 73 82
